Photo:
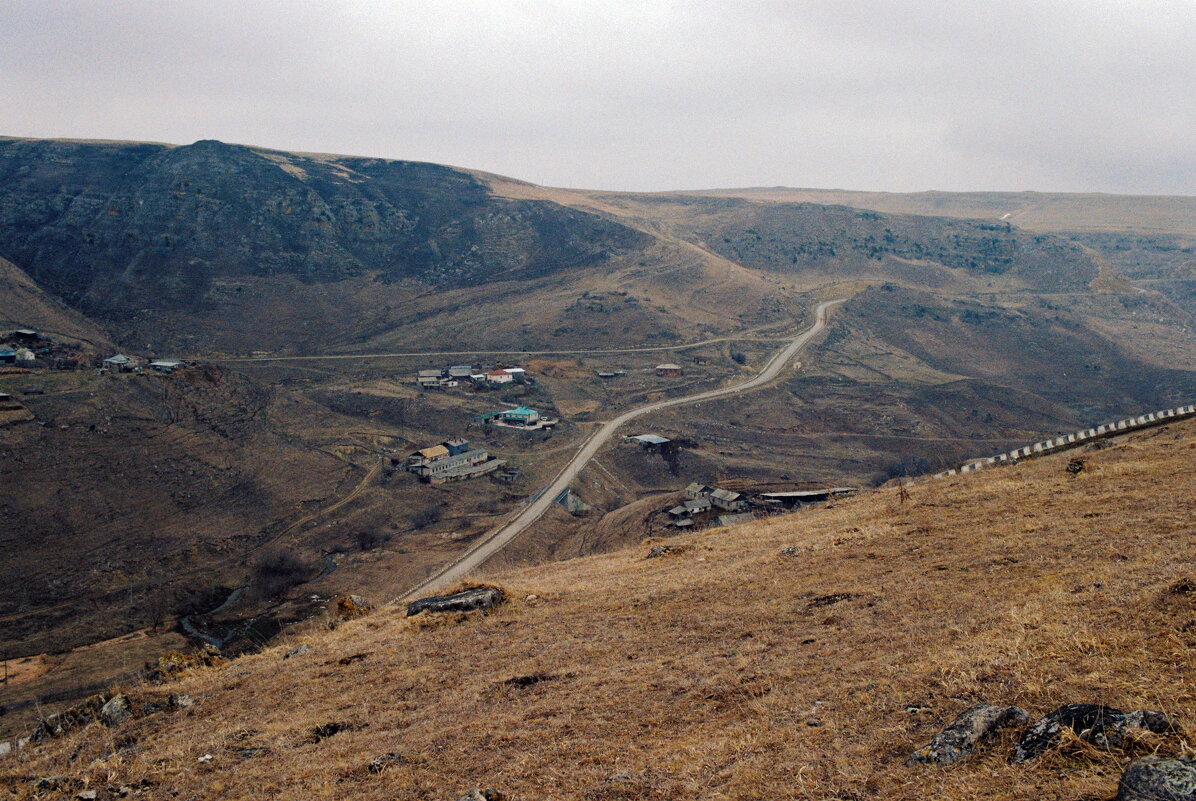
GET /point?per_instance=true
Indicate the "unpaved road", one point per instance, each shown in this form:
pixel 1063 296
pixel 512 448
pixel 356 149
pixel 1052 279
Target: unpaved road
pixel 746 336
pixel 492 544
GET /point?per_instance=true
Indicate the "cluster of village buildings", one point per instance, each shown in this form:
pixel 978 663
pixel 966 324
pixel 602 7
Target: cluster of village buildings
pixel 17 348
pixel 120 363
pixel 470 375
pixel 28 348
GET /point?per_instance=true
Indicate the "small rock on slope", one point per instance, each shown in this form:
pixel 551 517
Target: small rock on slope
pixel 489 794
pixel 958 739
pixel 1154 778
pixel 116 711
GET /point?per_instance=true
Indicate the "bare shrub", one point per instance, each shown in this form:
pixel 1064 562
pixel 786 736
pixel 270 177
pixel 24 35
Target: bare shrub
pixel 277 571
pixel 426 517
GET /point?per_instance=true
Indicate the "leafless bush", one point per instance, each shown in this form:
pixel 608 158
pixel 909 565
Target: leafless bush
pixel 277 571
pixel 426 517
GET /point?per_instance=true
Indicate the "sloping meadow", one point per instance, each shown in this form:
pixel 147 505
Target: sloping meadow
pixel 803 656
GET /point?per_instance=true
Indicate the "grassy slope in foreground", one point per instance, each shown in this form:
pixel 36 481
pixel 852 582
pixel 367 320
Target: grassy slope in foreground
pixel 727 669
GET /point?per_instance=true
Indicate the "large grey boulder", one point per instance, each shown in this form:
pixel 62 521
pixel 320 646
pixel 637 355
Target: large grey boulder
pixel 467 601
pixel 1103 726
pixel 116 711
pixel 958 739
pixel 1154 778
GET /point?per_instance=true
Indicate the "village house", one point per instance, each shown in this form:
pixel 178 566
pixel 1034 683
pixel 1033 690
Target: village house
pixel 649 442
pixel 499 377
pixel 165 365
pixel 120 363
pixel 25 358
pixel 8 356
pixel 727 500
pixel 519 417
pixel 795 498
pixel 668 369
pixel 460 371
pixel 26 335
pixel 452 460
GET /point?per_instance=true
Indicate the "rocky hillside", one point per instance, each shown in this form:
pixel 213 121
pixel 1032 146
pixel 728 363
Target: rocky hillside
pixel 133 499
pixel 217 247
pixel 23 304
pixel 116 228
pixel 935 252
pixel 812 656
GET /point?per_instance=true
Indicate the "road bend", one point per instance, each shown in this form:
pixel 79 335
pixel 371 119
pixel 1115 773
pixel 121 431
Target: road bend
pixel 476 555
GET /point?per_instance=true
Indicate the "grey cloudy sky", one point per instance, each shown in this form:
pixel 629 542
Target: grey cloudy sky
pixel 858 94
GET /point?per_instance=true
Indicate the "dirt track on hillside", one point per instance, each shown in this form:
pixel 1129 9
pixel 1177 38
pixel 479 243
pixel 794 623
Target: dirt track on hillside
pixel 490 545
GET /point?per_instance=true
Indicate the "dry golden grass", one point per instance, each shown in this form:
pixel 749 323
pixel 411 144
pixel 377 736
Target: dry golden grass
pixel 726 669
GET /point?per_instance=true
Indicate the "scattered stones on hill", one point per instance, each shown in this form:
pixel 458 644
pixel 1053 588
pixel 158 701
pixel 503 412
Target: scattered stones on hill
pixel 1103 726
pixel 1185 586
pixel 1076 466
pixel 477 598
pixel 383 761
pixel 529 680
pixel 326 730
pixel 68 720
pixel 1154 778
pixel 349 607
pixel 829 600
pixel 179 701
pixel 249 752
pixel 489 794
pixel 958 739
pixel 111 711
pixel 298 651
pixel 660 550
pixel 173 663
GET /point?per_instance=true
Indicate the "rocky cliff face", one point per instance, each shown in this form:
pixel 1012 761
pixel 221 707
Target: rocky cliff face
pixel 113 228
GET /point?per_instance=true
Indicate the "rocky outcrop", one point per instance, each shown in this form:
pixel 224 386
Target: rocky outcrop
pixel 1154 778
pixel 349 607
pixel 467 601
pixel 116 711
pixel 958 739
pixel 69 719
pixel 1103 726
pixel 110 711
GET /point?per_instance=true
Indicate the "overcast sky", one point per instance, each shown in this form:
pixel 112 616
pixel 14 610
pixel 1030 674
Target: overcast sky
pixel 857 94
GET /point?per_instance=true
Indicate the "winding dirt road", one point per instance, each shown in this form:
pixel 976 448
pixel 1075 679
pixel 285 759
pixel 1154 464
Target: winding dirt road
pixel 750 335
pixel 492 544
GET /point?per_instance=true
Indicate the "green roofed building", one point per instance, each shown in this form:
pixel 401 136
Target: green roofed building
pixel 519 417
